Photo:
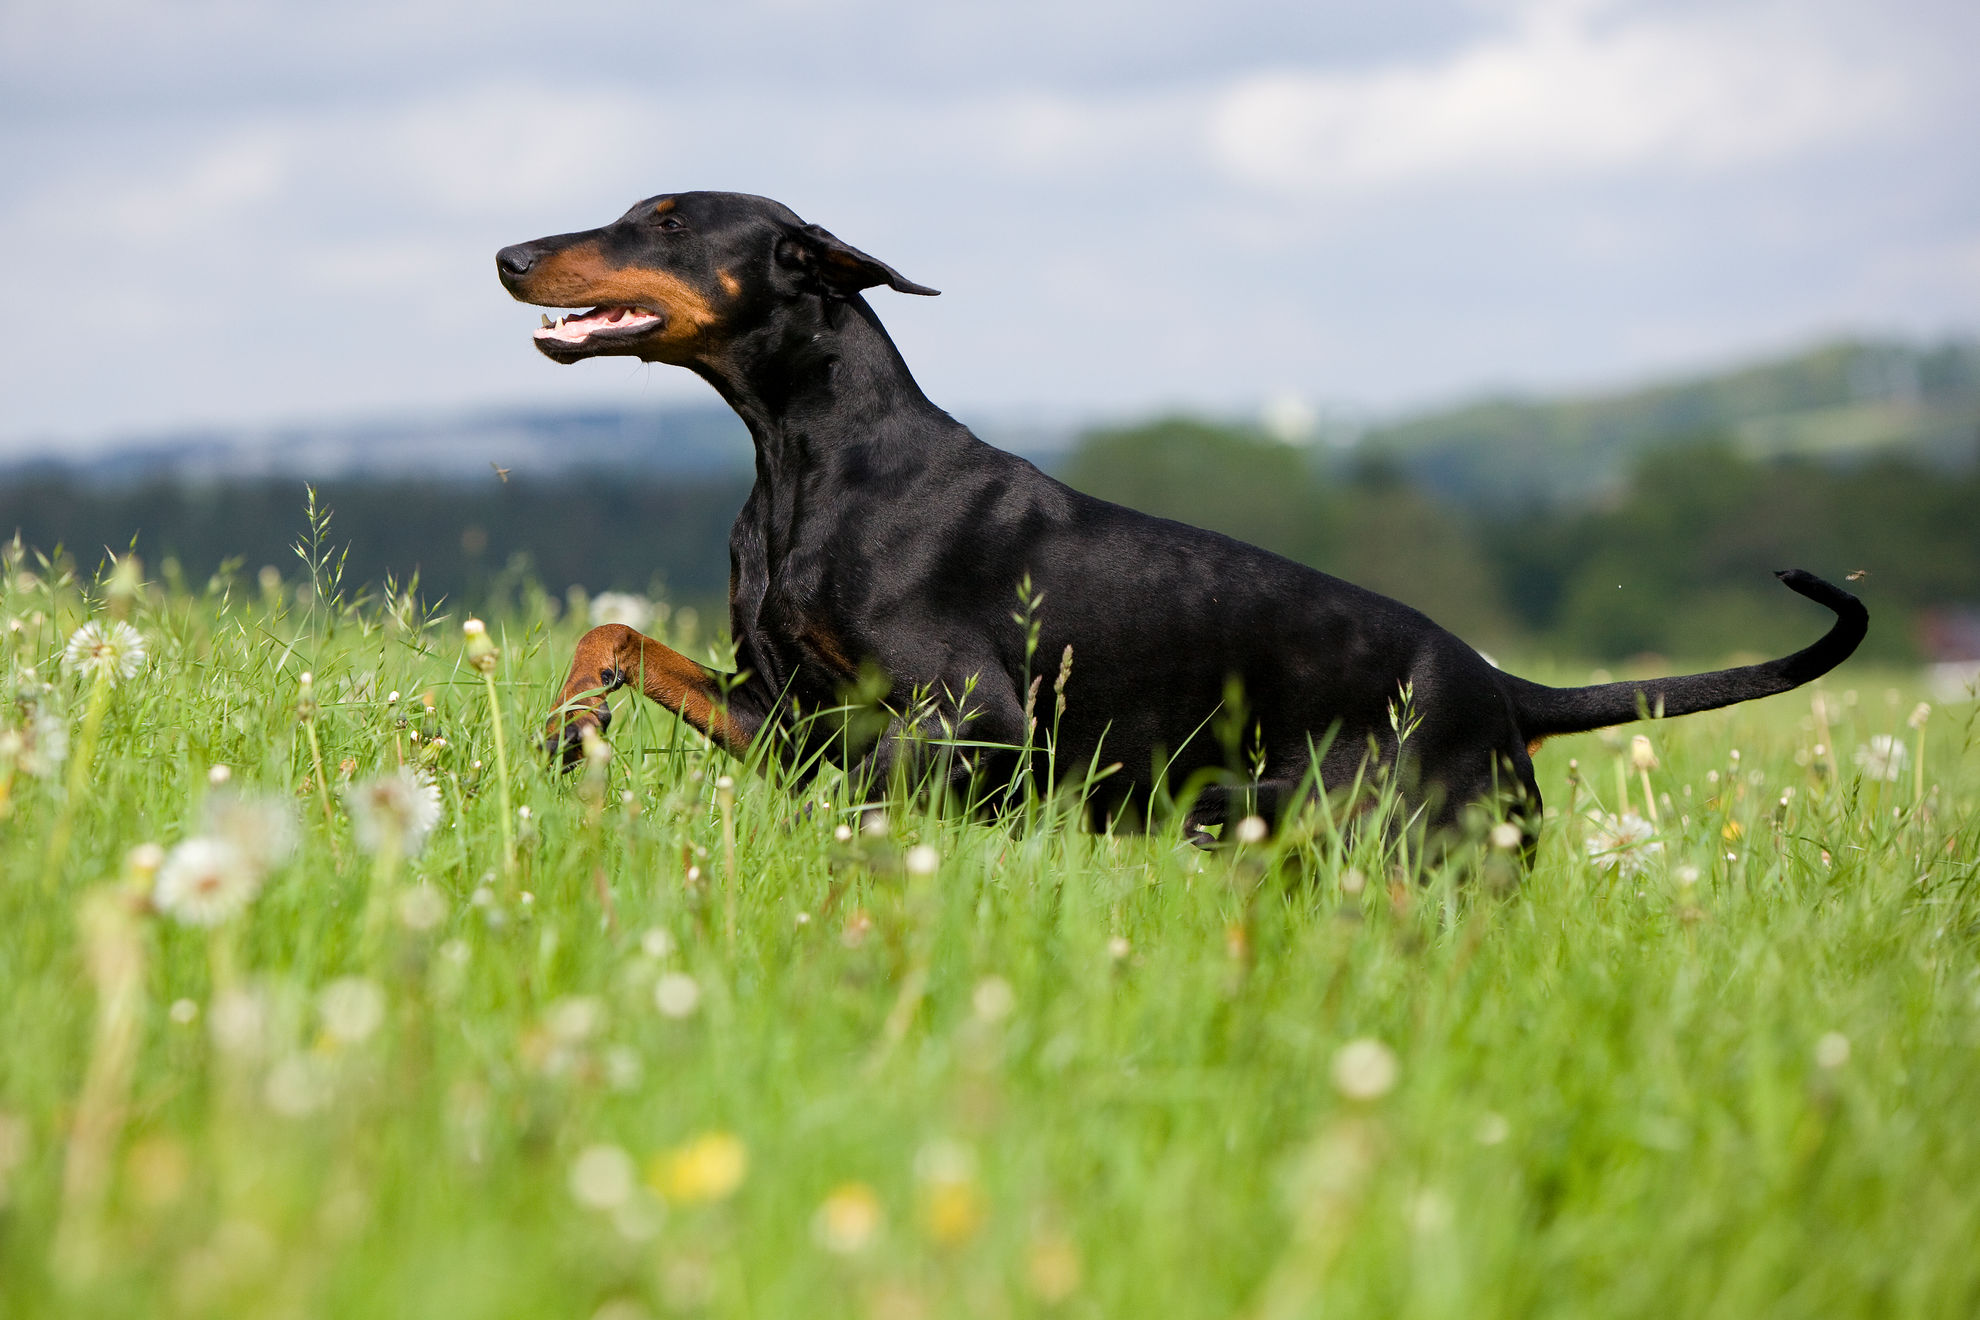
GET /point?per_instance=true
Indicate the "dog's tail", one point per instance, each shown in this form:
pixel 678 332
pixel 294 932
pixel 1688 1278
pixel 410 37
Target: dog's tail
pixel 1546 711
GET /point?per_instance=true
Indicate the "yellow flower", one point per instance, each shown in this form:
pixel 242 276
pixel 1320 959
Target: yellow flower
pixel 848 1219
pixel 708 1168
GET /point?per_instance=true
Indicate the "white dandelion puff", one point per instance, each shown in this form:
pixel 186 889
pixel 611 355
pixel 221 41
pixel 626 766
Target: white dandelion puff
pixel 203 882
pixel 676 995
pixel 1365 1069
pixel 1883 757
pixel 1623 844
pixel 353 1007
pixel 602 1177
pixel 262 828
pixel 922 860
pixel 397 809
pixel 114 652
pixel 635 612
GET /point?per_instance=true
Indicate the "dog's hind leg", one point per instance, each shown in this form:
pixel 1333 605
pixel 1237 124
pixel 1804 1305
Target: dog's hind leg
pixel 614 656
pixel 1227 804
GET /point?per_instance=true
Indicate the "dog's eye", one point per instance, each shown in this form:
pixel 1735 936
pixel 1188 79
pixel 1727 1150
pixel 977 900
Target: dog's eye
pixel 671 222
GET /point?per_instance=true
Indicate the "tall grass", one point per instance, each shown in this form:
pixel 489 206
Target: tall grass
pixel 713 1045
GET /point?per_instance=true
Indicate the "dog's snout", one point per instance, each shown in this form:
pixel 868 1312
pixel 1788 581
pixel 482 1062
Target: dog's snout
pixel 516 259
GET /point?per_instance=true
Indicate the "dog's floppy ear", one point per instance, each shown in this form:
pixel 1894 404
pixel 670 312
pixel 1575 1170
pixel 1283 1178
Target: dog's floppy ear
pixel 840 266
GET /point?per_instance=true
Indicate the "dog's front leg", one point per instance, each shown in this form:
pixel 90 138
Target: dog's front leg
pixel 614 656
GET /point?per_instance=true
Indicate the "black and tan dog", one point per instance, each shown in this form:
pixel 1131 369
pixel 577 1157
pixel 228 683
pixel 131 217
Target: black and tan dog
pixel 883 538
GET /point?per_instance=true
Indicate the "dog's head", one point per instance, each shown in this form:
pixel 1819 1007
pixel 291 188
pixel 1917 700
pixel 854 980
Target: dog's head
pixel 678 276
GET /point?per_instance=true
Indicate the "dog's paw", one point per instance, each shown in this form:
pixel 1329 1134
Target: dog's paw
pixel 563 740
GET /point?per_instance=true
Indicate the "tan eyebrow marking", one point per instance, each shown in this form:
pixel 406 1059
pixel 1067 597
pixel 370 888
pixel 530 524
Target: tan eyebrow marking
pixel 664 205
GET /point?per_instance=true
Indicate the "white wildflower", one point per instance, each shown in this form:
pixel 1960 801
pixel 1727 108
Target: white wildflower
pixel 263 829
pixel 1883 757
pixel 40 748
pixel 114 652
pixel 635 612
pixel 1365 1069
pixel 602 1177
pixel 676 994
pixel 574 1019
pixel 993 999
pixel 353 1007
pixel 1623 844
pixel 1832 1051
pixel 398 808
pixel 1506 836
pixel 1252 829
pixel 422 907
pixel 922 860
pixel 204 882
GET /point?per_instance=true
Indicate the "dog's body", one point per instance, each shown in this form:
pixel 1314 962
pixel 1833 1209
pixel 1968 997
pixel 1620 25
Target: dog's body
pixel 883 537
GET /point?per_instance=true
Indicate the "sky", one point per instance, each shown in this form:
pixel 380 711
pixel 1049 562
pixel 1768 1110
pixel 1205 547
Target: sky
pixel 236 214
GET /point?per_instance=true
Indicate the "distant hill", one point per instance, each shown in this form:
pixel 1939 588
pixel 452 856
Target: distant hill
pixel 1841 401
pixel 694 441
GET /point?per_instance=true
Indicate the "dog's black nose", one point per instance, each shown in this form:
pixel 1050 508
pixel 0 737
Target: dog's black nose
pixel 515 259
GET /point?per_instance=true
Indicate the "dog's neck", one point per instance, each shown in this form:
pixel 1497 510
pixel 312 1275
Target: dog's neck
pixel 826 385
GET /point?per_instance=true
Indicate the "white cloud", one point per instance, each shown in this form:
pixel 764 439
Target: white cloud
pixel 1568 91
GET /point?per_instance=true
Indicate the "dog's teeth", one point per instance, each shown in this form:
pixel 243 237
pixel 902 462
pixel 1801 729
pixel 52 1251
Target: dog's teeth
pixel 546 321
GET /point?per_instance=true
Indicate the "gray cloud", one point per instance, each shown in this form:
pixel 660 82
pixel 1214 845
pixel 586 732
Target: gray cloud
pixel 231 212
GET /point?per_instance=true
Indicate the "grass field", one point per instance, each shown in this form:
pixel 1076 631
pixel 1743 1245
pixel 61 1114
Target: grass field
pixel 642 1042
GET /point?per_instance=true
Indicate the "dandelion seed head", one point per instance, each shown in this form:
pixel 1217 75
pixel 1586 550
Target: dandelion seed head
pixel 1119 948
pixel 843 833
pixel 1883 757
pixel 656 943
pixel 144 860
pixel 203 882
pixel 574 1019
pixel 1506 836
pixel 621 607
pixel 238 1021
pixel 183 1011
pixel 396 810
pixel 602 1177
pixel 1641 754
pixel 922 860
pixel 297 1086
pixel 1623 844
pixel 1365 1069
pixel 1832 1051
pixel 262 828
pixel 218 775
pixel 113 652
pixel 676 995
pixel 1252 829
pixel 422 907
pixel 1353 882
pixel 993 999
pixel 352 1008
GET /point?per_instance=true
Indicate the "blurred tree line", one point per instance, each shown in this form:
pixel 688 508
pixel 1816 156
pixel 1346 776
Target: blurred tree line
pixel 1678 561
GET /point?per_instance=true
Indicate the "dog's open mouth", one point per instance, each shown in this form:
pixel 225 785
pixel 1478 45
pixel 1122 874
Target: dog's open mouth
pixel 582 334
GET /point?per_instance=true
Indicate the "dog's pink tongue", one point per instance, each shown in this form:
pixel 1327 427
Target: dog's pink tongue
pixel 574 328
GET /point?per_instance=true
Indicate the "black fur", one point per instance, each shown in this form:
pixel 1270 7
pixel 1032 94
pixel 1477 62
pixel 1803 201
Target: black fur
pixel 882 535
